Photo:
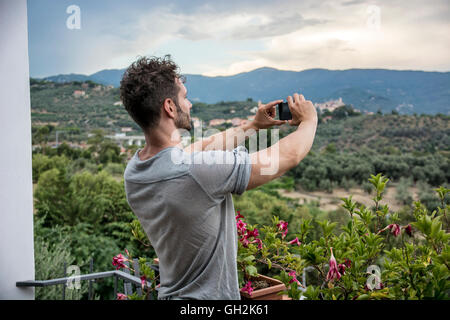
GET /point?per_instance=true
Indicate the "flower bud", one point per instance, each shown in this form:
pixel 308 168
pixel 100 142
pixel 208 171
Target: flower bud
pixel 333 272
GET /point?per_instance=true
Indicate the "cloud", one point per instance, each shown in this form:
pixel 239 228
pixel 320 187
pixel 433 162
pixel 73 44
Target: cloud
pixel 223 38
pixel 406 39
pixel 191 33
pixel 273 26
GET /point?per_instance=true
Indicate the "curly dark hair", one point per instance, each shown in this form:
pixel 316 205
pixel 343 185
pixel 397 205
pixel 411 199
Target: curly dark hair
pixel 145 85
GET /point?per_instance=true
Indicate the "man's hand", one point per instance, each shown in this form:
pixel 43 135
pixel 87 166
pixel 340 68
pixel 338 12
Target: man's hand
pixel 273 162
pixel 301 109
pixel 265 115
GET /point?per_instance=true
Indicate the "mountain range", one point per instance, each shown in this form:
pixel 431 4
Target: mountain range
pixel 405 91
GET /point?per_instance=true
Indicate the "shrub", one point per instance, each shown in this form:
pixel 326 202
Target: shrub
pixel 373 257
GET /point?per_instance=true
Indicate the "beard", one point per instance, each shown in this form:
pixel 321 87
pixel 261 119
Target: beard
pixel 183 120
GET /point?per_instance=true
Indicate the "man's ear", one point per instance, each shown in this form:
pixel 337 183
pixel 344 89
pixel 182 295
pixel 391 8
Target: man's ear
pixel 169 108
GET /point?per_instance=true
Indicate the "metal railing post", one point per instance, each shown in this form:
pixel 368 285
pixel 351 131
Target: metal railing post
pixel 64 284
pixel 91 270
pixel 115 287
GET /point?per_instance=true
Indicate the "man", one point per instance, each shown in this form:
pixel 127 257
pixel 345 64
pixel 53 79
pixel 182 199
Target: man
pixel 182 196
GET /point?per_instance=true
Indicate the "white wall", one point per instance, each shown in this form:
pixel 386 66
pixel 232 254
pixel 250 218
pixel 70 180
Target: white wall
pixel 16 188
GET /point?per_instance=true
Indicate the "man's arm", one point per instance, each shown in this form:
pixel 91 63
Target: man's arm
pixel 273 162
pixel 226 140
pixel 233 137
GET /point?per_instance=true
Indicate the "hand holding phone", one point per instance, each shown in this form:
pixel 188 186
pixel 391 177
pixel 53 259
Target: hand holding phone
pixel 296 110
pixel 283 111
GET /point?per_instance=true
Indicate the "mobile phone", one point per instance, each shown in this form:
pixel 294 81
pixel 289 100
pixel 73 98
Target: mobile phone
pixel 284 113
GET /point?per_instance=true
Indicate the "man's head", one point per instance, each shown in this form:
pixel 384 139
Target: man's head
pixel 152 88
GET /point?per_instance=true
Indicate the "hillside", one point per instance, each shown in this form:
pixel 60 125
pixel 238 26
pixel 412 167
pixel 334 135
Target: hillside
pixel 349 146
pixel 365 89
pixel 90 106
pixel 389 134
pixel 84 105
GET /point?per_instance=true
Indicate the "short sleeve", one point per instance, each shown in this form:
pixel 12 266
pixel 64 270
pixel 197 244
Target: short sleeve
pixel 221 172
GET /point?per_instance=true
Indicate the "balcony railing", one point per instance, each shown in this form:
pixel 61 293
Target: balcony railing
pixel 127 278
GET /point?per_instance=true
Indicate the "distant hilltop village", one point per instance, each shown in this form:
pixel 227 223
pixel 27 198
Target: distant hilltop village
pixel 330 105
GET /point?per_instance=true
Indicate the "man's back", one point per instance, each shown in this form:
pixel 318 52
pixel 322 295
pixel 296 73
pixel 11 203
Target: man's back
pixel 184 204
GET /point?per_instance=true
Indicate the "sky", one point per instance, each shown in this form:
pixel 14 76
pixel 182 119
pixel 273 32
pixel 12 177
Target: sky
pixel 218 38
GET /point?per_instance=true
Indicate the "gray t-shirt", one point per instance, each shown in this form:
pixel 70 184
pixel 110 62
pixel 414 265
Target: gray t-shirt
pixel 184 204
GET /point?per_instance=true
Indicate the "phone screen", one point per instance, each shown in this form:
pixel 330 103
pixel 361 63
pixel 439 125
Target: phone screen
pixel 284 113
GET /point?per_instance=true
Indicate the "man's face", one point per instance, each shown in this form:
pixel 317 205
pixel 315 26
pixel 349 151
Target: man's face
pixel 183 119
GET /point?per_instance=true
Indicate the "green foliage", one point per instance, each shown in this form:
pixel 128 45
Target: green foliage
pixel 56 103
pixel 223 110
pixel 347 151
pixel 267 248
pixel 148 277
pixel 327 170
pixel 403 195
pixel 88 207
pixel 411 269
pixel 376 257
pixel 50 257
pixel 83 197
pixel 42 163
pixel 77 199
pixel 427 196
pixel 115 169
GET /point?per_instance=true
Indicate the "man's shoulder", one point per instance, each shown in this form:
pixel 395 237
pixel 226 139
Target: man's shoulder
pixel 170 164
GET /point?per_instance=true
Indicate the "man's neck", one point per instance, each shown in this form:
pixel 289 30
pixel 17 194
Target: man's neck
pixel 158 140
pixel 151 150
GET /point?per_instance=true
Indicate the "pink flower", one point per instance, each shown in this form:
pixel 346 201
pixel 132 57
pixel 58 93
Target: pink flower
pixel 295 241
pixel 343 266
pixel 257 240
pixel 282 226
pixel 118 261
pixel 244 241
pixel 241 226
pixel 294 277
pixel 239 215
pixel 333 273
pixel 395 229
pixel 248 288
pixel 253 233
pixel 143 281
pixel 121 296
pixel 408 230
pixel 348 263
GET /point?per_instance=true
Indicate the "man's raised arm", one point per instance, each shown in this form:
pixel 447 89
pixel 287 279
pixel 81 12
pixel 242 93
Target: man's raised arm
pixel 232 137
pixel 273 162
